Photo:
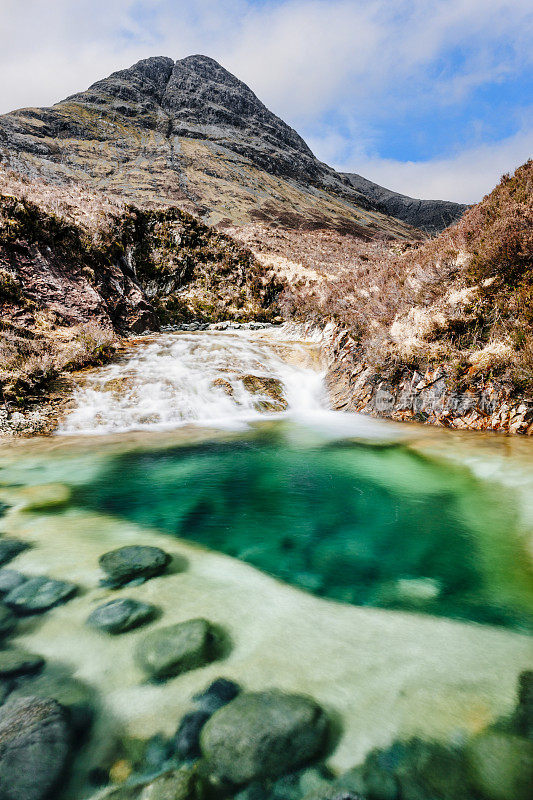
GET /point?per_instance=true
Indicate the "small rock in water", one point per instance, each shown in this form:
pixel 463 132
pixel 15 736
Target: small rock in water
pixel 18 662
pixel 178 784
pixel 34 748
pixel 134 561
pixel 7 621
pixel 39 594
pixel 263 735
pixel 121 615
pixel 218 694
pixel 177 648
pixel 9 580
pixel 187 739
pixel 9 548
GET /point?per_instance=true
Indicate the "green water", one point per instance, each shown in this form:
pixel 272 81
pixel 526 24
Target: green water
pixel 368 524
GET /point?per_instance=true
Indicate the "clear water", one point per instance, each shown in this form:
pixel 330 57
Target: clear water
pixel 372 515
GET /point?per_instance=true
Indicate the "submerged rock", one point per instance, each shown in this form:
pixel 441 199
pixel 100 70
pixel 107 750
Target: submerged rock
pixel 134 561
pixel 7 621
pixel 263 735
pixel 39 594
pixel 501 765
pixel 121 615
pixel 218 694
pixel 177 648
pixel 269 387
pixel 34 747
pixel 15 662
pixel 187 739
pixel 10 548
pixel 10 579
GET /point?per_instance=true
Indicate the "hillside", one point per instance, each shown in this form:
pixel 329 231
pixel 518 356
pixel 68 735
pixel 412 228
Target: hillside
pixel 431 216
pixel 189 134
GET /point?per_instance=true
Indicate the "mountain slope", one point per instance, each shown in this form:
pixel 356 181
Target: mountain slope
pixel 190 134
pixel 431 216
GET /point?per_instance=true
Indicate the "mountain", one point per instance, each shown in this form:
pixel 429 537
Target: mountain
pixel 431 216
pixel 190 134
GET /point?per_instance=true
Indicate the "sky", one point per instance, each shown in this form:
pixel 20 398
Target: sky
pixel 432 98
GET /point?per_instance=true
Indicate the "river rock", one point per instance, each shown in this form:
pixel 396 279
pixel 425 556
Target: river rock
pixel 187 738
pixel 39 594
pixel 177 648
pixel 121 615
pixel 9 580
pixel 501 765
pixel 7 621
pixel 263 735
pixel 269 387
pixel 218 694
pixel 9 548
pixel 14 662
pixel 134 561
pixel 56 683
pixel 178 784
pixel 34 748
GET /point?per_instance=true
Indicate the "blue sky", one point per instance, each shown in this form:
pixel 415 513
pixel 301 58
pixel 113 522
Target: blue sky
pixel 430 97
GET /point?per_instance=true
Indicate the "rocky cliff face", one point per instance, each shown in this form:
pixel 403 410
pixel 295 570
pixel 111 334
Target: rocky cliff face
pixel 431 216
pixel 190 134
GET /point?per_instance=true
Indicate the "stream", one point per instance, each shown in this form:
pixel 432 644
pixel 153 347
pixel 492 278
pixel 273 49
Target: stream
pixel 384 569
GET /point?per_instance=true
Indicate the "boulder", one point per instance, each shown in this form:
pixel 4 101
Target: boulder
pixel 271 388
pixel 34 748
pixel 7 621
pixel 121 615
pixel 134 561
pixel 56 683
pixel 9 548
pixel 39 594
pixel 218 694
pixel 15 662
pixel 263 735
pixel 177 648
pixel 501 765
pixel 9 580
pixel 187 738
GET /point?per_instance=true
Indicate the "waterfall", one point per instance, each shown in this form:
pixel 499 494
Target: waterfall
pixel 211 378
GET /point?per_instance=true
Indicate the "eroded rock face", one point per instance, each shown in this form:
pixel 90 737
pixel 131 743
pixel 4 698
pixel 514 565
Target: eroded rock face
pixel 34 747
pixel 263 735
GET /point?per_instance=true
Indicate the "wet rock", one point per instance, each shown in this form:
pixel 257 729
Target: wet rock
pixel 7 621
pixel 218 694
pixel 9 580
pixel 524 711
pixel 34 748
pixel 39 594
pixel 56 683
pixel 121 615
pixel 225 385
pixel 269 387
pixel 501 765
pixel 178 784
pixel 177 648
pixel 14 662
pixel 10 548
pixel 187 739
pixel 263 735
pixel 134 561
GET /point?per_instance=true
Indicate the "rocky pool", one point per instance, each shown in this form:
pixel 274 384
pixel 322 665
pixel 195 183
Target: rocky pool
pixel 368 583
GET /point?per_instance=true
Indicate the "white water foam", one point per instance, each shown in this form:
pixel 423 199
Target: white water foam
pixel 170 381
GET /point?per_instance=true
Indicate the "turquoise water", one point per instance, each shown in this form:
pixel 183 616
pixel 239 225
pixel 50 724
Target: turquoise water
pixel 362 523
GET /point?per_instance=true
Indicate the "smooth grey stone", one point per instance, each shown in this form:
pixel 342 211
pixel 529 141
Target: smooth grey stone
pixel 263 735
pixel 177 648
pixel 10 548
pixel 34 748
pixel 218 694
pixel 134 561
pixel 121 615
pixel 39 594
pixel 9 580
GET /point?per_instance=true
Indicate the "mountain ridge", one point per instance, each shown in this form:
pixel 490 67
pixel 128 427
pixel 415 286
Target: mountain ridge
pixel 189 133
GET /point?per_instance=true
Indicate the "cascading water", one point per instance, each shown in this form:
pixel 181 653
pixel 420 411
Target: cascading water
pixel 204 378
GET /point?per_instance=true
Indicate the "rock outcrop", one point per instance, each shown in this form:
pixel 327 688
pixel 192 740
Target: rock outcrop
pixel 431 216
